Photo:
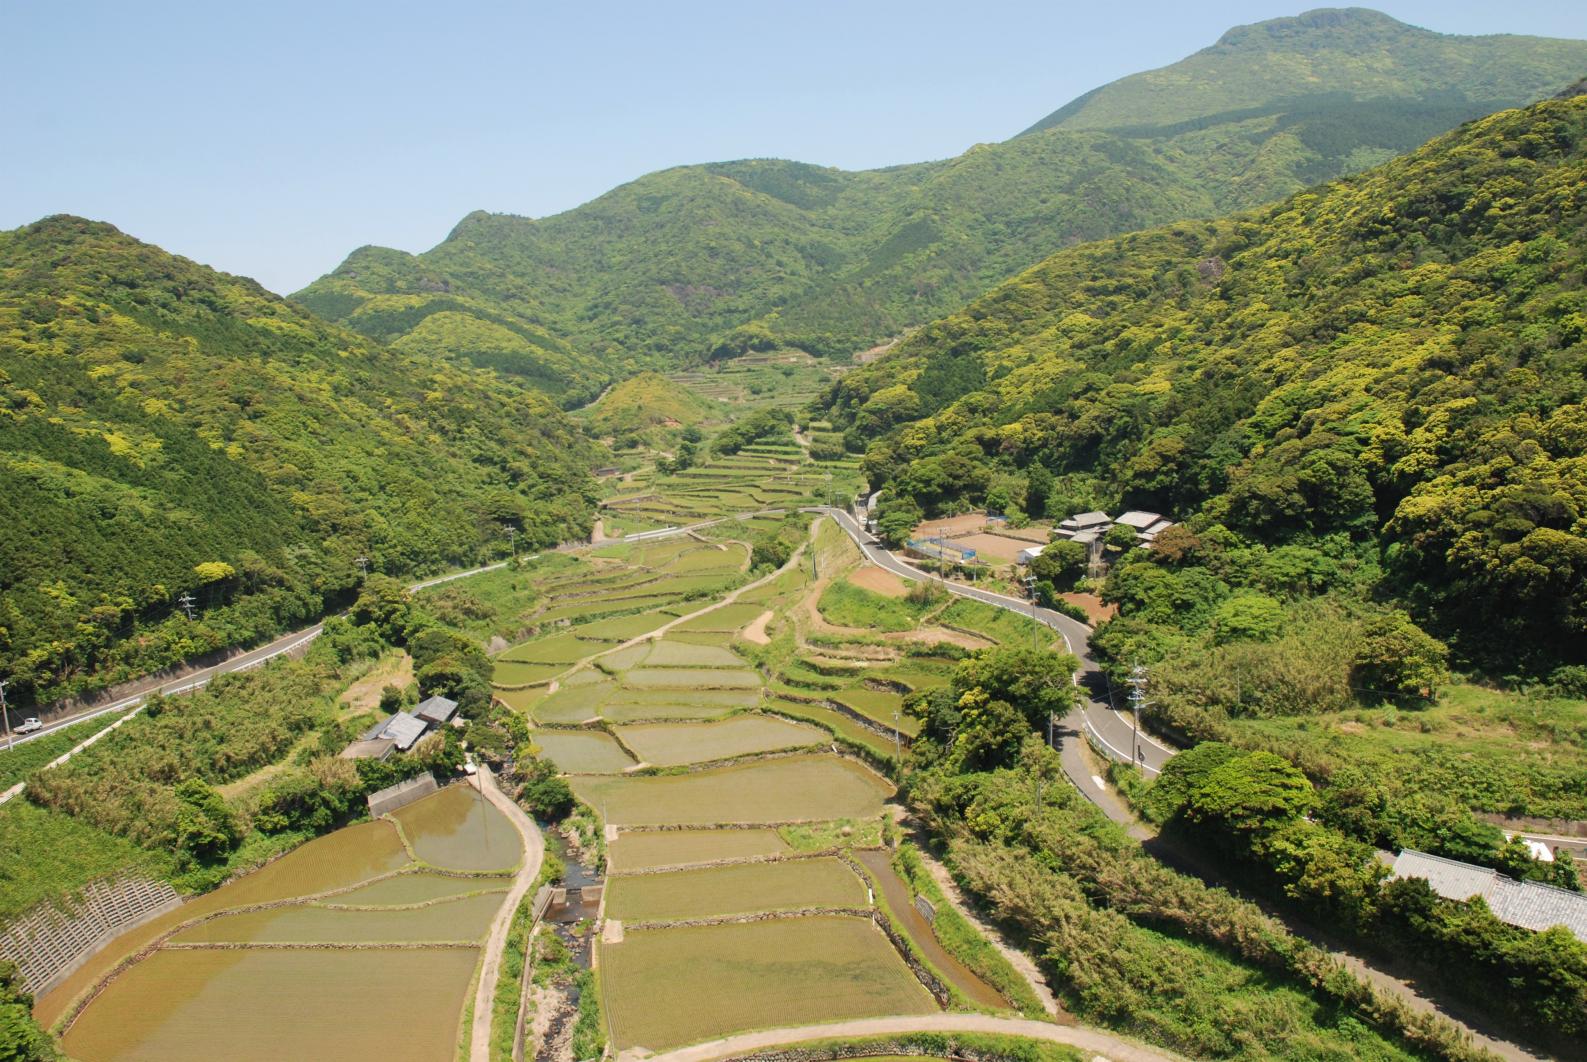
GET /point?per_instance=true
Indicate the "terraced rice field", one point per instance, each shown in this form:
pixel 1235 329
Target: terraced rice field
pixel 583 751
pixel 456 829
pixel 668 653
pixel 751 976
pixel 883 706
pixel 462 919
pixel 264 1006
pixel 727 618
pixel 699 678
pixel 791 789
pixel 676 744
pixel 218 984
pixel 733 890
pixel 641 849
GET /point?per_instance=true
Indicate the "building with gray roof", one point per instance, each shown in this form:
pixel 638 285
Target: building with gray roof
pixel 436 710
pixel 1528 904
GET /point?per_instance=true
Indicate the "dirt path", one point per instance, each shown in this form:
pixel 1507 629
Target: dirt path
pixel 534 849
pixel 756 631
pixel 1101 1044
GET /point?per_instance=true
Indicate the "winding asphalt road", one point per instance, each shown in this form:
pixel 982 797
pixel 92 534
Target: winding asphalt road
pixel 1093 716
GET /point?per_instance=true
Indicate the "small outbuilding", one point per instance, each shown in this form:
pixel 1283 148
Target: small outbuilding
pixel 436 710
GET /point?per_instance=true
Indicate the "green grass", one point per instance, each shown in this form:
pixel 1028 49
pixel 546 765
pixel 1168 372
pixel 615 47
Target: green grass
pixel 882 706
pixel 837 722
pixel 622 628
pixel 835 833
pixel 44 854
pixel 28 757
pixel 562 648
pixel 998 624
pixel 514 673
pixel 732 890
pixel 848 605
pixel 1491 750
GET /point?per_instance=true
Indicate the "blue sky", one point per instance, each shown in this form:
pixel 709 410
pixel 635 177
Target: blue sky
pixel 271 139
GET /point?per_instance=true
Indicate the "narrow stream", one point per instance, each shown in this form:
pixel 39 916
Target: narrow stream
pixel 899 898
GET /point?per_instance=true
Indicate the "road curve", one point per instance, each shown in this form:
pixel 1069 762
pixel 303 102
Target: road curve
pixel 1113 1048
pixel 1111 729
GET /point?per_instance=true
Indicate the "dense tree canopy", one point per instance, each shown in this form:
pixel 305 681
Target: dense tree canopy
pixel 166 429
pixel 1394 360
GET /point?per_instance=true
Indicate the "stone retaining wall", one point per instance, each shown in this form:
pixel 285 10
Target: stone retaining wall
pixel 50 941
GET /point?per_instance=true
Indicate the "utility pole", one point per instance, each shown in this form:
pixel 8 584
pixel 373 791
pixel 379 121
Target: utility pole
pixel 6 712
pixel 898 755
pixel 186 601
pixel 363 564
pixel 1137 702
pixel 512 539
pixel 1035 624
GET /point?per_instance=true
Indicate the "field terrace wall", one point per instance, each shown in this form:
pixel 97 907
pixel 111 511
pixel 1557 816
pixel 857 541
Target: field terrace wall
pixel 50 941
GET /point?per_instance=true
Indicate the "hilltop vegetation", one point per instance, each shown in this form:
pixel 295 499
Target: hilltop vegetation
pixel 717 259
pixel 646 402
pixel 166 429
pixel 1385 374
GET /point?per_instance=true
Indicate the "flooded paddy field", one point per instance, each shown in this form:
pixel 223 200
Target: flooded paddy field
pixel 750 976
pixel 733 890
pixel 441 921
pixel 640 850
pixel 457 829
pixel 583 751
pixel 789 789
pixel 267 1005
pixel 676 744
pixel 309 978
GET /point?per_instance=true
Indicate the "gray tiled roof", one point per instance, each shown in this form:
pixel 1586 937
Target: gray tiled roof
pixel 1529 904
pixel 1138 519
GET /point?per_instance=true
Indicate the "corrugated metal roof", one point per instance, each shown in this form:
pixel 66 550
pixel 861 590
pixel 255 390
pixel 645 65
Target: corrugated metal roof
pixel 404 729
pixel 436 709
pixel 1091 519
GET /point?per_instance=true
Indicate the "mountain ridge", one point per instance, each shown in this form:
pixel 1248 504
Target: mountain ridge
pixel 715 259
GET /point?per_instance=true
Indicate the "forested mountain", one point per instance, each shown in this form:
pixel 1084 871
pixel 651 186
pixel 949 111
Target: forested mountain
pixel 733 256
pixel 167 429
pixel 1390 370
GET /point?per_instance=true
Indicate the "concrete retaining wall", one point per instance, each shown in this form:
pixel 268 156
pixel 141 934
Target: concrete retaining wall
pixel 389 799
pixel 51 941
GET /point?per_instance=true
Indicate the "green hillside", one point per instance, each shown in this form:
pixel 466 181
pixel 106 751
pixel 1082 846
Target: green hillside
pixel 648 400
pixel 1388 371
pixel 716 259
pixel 167 429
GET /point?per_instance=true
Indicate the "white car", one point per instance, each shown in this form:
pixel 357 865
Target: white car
pixel 29 725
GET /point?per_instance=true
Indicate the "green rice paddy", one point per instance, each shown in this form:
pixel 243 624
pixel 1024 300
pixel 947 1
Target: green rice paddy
pixel 668 653
pixel 675 744
pixel 583 751
pixel 790 789
pixel 732 890
pixel 638 850
pixel 702 678
pixel 751 976
pixel 410 888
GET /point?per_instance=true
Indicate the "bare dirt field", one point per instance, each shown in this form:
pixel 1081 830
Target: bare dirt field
pixel 878 580
pixel 968 524
pixel 1096 611
pixel 990 547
